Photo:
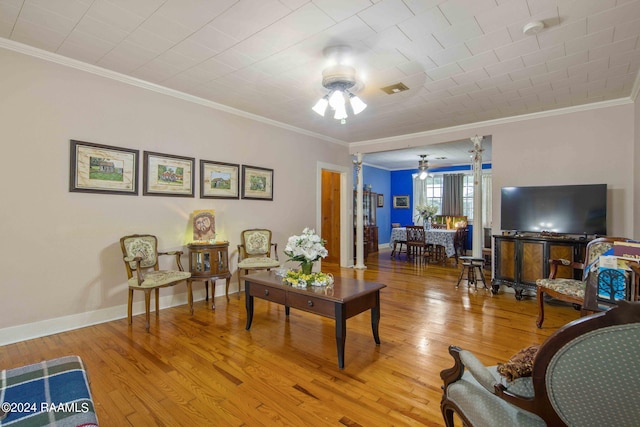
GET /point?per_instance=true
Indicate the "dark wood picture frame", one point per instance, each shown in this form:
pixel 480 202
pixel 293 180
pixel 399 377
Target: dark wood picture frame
pixel 257 183
pixel 381 200
pixel 98 168
pixel 168 175
pixel 219 180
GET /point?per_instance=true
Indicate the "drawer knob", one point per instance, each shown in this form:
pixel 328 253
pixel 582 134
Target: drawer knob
pixel 310 303
pixel 266 291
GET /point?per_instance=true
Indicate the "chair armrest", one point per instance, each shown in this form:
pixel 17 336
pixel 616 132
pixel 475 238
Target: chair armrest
pixel 275 250
pixel 554 263
pixel 177 254
pixel 137 259
pixel 240 253
pixel 465 359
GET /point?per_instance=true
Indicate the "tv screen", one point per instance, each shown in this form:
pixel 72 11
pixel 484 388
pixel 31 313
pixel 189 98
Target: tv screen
pixel 565 209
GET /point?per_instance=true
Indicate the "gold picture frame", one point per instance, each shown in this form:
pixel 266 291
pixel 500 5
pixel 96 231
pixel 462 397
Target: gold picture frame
pixel 401 202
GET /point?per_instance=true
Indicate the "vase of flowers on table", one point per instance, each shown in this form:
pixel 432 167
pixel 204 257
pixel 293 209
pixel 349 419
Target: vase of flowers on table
pixel 306 248
pixel 426 212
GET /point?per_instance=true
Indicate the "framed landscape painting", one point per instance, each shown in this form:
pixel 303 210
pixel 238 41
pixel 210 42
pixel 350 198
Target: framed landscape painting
pixel 401 202
pixel 168 175
pixel 97 168
pixel 257 183
pixel 219 180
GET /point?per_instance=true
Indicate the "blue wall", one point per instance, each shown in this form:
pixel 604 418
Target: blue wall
pixel 397 183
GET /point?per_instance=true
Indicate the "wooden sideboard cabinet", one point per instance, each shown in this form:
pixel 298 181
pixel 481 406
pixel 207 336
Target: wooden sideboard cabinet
pixel 520 261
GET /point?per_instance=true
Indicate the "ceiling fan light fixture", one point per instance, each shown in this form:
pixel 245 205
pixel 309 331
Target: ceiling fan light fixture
pixel 423 167
pixel 321 105
pixel 338 79
pixel 356 104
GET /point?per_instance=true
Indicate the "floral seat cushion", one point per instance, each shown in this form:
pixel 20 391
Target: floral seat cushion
pixel 257 262
pixel 154 279
pixel 570 287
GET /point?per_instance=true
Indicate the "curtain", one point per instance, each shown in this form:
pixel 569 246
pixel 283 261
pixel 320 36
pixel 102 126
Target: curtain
pixel 452 187
pixel 419 196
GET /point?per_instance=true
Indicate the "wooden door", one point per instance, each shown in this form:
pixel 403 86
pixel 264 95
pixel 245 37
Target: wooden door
pixel 331 215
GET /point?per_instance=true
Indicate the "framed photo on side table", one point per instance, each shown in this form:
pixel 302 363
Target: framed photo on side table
pixel 257 183
pixel 219 180
pixel 168 175
pixel 401 202
pixel 97 168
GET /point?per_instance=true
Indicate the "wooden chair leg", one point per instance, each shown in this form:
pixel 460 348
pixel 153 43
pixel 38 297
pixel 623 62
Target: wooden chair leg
pixel 190 294
pixel 130 308
pixel 147 306
pixel 540 297
pixel 157 302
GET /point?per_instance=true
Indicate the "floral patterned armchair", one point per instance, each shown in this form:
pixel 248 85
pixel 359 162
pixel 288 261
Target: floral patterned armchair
pixel 585 374
pixel 254 253
pixel 140 255
pixel 569 289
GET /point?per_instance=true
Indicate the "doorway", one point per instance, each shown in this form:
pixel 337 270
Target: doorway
pixel 330 224
pixel 334 214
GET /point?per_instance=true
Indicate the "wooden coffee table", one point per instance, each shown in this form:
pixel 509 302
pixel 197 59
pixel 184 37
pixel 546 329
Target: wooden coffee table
pixel 347 298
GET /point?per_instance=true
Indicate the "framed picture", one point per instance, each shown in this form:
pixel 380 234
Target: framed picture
pixel 257 183
pixel 168 175
pixel 380 200
pixel 401 202
pixel 219 180
pixel 96 168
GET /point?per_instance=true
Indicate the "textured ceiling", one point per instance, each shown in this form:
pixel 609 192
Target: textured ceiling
pixel 464 61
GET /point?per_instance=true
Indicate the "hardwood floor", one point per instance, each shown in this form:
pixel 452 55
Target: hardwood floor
pixel 205 369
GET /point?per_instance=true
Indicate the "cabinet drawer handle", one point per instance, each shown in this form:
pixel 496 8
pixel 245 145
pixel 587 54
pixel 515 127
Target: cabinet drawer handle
pixel 310 303
pixel 266 291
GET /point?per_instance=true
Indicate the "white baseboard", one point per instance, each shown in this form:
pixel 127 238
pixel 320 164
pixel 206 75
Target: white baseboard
pixel 43 328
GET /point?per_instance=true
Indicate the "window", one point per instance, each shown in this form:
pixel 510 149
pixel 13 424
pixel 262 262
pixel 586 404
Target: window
pixel 467 197
pixel 433 187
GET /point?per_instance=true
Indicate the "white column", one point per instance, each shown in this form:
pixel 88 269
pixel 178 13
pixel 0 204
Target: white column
pixel 478 233
pixel 359 221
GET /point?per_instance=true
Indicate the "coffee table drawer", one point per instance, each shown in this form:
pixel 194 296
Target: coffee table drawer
pixel 268 293
pixel 311 304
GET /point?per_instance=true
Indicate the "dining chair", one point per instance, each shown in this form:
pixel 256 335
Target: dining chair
pixel 397 242
pixel 416 241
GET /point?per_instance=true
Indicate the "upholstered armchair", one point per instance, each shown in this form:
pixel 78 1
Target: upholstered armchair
pixel 255 252
pixel 568 288
pixel 141 259
pixel 585 374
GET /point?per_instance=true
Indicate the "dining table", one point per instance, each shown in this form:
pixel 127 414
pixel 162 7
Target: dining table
pixel 434 236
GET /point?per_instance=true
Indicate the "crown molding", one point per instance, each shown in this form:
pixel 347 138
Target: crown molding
pixel 114 75
pixel 514 119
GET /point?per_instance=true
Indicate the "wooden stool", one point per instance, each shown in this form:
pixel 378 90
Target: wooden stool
pixel 473 267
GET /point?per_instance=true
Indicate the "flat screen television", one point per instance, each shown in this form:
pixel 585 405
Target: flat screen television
pixel 562 209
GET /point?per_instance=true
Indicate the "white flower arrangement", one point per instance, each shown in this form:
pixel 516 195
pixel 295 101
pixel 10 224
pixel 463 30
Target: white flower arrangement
pixel 427 211
pixel 308 247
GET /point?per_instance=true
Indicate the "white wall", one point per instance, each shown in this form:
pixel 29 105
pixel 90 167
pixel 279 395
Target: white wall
pixel 60 260
pixel 593 146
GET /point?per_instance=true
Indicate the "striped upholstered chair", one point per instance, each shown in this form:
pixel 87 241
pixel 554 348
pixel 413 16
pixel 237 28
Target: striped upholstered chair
pixel 585 374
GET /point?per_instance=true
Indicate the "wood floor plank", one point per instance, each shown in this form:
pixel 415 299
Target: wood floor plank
pixel 206 369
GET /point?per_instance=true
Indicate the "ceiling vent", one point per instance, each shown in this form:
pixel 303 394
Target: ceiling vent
pixel 396 88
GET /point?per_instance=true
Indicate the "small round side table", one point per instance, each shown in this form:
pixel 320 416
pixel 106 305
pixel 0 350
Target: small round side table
pixel 209 262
